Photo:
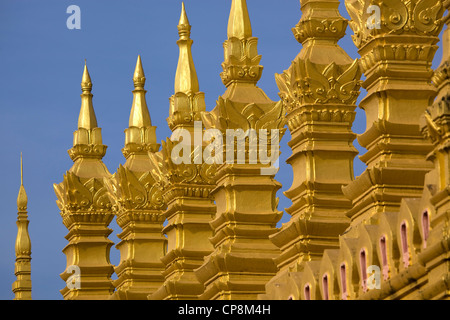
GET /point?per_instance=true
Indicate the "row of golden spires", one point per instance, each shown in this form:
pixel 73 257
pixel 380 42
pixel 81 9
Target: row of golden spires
pixel 88 133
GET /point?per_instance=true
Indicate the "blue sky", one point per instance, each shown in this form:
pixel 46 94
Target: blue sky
pixel 42 63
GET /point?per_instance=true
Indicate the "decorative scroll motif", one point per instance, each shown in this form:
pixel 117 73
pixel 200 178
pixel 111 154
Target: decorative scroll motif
pixel 308 28
pixel 241 60
pixel 226 115
pixel 397 17
pixel 185 108
pixel 303 84
pixel 76 196
pixel 129 192
pixel 167 174
pixel 435 124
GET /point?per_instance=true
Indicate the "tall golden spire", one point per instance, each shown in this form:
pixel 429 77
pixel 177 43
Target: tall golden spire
pixel 141 219
pixel 242 260
pixel 241 69
pixel 85 209
pixel 188 213
pixel 140 137
pixel 187 101
pixel 87 118
pixel 239 25
pixel 186 77
pixel 139 117
pixel 22 286
pixel 87 140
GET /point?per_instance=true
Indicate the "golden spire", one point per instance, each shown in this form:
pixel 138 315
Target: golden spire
pixel 88 133
pixel 239 25
pixel 184 21
pixel 140 137
pixel 187 102
pixel 241 48
pixel 139 117
pixel 186 80
pixel 87 118
pixel 22 286
pixel 22 199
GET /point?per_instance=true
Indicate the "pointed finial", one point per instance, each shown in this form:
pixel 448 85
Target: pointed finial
pixel 140 116
pixel 139 76
pixel 22 199
pixel 184 28
pixel 87 118
pixel 183 18
pixel 21 170
pixel 86 83
pixel 186 76
pixel 239 25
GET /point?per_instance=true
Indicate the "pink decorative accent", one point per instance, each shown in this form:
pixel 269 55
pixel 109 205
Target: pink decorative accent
pixel 384 259
pixel 425 227
pixel 404 239
pixel 325 287
pixel 344 282
pixel 307 292
pixel 363 265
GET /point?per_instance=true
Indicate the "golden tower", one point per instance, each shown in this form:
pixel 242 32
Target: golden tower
pixel 22 286
pixel 139 204
pixel 186 184
pixel 319 91
pixel 86 209
pixel 242 261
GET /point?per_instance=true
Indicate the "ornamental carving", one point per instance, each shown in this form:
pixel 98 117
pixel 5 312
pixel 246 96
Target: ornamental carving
pixel 304 83
pixel 241 60
pixel 185 108
pixel 229 115
pixel 130 191
pixel 75 196
pixel 191 176
pixel 403 17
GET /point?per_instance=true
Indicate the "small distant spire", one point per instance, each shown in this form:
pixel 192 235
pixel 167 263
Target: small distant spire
pixel 239 25
pixel 22 199
pixel 21 169
pixel 22 286
pixel 139 116
pixel 186 79
pixel 87 118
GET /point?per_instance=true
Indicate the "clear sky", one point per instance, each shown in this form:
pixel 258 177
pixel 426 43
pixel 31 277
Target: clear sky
pixel 41 68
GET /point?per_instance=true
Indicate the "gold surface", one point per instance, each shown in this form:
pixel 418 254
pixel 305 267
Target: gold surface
pixel 222 240
pixel 22 286
pixel 86 209
pixel 138 204
pixel 185 187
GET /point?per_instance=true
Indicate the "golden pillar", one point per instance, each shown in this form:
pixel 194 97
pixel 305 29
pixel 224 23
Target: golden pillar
pixel 186 181
pixel 86 209
pixel 245 194
pixel 139 205
pixel 319 91
pixel 22 286
pixel 397 42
